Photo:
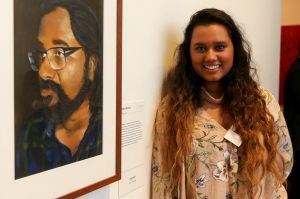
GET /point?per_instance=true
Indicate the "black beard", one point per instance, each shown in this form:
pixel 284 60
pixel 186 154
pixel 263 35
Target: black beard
pixel 65 107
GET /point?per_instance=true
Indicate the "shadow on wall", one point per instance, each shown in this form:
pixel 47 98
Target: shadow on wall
pixel 172 41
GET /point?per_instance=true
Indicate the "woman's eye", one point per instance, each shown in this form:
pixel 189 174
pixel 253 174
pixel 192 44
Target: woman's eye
pixel 200 49
pixel 220 47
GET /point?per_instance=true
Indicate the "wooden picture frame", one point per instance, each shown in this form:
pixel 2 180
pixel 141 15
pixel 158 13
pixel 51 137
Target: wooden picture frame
pixel 80 177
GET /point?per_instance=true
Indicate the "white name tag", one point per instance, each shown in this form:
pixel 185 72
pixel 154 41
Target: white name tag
pixel 233 137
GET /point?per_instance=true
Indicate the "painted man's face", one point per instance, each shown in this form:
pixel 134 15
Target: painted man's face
pixel 55 31
pixel 63 89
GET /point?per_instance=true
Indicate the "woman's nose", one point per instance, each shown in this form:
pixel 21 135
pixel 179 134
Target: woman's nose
pixel 210 55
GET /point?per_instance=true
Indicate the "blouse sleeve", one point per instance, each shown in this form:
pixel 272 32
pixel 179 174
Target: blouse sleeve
pixel 285 145
pixel 160 181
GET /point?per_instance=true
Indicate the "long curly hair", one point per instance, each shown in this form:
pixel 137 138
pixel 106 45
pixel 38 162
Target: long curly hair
pixel 243 101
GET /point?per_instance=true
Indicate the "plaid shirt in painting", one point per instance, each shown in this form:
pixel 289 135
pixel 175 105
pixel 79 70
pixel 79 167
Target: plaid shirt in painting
pixel 37 148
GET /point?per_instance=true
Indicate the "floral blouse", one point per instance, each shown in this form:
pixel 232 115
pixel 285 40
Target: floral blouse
pixel 213 163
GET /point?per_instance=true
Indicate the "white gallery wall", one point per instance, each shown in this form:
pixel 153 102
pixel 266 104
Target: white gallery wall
pixel 151 31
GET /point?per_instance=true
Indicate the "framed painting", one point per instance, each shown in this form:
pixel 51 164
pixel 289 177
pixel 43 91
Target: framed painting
pixel 62 97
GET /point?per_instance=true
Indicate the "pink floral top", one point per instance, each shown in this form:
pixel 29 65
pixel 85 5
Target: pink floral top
pixel 213 163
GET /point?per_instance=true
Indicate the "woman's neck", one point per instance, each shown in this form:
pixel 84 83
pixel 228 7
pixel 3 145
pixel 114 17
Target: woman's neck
pixel 215 89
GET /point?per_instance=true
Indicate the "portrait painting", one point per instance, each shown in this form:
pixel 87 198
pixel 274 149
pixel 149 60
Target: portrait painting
pixel 66 93
pixel 58 95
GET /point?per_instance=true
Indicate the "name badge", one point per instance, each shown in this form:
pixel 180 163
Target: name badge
pixel 233 137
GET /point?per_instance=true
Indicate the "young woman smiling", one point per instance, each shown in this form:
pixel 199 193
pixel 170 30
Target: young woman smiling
pixel 218 134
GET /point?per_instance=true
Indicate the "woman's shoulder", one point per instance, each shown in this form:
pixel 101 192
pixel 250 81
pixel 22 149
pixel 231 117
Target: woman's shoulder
pixel 271 102
pixel 161 112
pixel 160 118
pixel 162 106
pixel 267 95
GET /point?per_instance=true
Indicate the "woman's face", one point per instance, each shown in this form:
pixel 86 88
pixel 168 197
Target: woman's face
pixel 211 52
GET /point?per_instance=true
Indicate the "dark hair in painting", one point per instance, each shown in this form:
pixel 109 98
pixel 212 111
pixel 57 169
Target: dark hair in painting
pixel 86 29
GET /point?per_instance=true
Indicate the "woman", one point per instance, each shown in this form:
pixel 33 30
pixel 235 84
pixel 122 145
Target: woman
pixel 217 133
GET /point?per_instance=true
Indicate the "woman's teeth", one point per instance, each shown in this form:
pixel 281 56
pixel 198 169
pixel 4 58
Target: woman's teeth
pixel 211 67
